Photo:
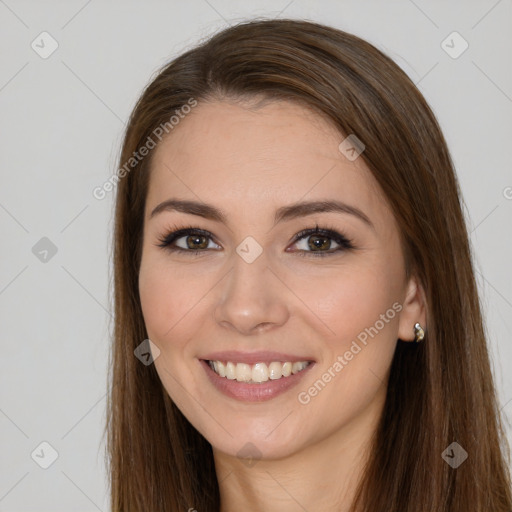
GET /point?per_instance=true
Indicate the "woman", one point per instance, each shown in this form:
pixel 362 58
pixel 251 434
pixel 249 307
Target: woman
pixel 290 238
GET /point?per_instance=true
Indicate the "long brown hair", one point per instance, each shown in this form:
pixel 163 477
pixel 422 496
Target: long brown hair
pixel 440 391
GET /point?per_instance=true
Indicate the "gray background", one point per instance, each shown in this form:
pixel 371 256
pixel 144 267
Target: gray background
pixel 62 120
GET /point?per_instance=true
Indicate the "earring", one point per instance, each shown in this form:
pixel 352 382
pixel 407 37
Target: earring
pixel 419 333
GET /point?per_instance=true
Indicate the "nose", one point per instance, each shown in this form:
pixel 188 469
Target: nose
pixel 251 299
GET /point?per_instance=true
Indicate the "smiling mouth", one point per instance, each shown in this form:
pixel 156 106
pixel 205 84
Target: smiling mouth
pixel 257 373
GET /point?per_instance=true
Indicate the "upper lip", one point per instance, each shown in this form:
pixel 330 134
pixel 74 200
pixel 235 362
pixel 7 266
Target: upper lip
pixel 236 356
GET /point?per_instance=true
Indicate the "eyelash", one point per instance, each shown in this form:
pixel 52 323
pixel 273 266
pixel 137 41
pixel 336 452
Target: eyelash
pixel 176 233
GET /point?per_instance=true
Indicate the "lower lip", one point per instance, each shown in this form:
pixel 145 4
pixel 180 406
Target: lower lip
pixel 247 392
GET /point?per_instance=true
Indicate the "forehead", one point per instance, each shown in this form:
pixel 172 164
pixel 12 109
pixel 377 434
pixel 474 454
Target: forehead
pixel 256 160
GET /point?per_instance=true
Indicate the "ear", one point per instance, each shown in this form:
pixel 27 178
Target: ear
pixel 413 310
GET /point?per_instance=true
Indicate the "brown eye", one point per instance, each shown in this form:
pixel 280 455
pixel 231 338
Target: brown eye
pixel 192 240
pixel 321 242
pixel 317 243
pixel 196 241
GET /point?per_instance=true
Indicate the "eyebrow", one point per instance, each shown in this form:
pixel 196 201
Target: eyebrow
pixel 284 213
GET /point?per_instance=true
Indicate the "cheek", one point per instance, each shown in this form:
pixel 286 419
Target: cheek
pixel 170 304
pixel 169 301
pixel 360 311
pixel 351 299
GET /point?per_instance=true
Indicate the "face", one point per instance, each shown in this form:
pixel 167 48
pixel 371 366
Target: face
pixel 269 274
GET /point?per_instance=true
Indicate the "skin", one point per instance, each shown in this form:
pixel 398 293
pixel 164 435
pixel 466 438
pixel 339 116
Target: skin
pixel 249 162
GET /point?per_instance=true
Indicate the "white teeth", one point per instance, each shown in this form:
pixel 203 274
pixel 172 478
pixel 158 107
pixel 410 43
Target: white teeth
pixel 258 372
pixel 297 367
pixel 230 371
pixel 243 372
pixel 275 370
